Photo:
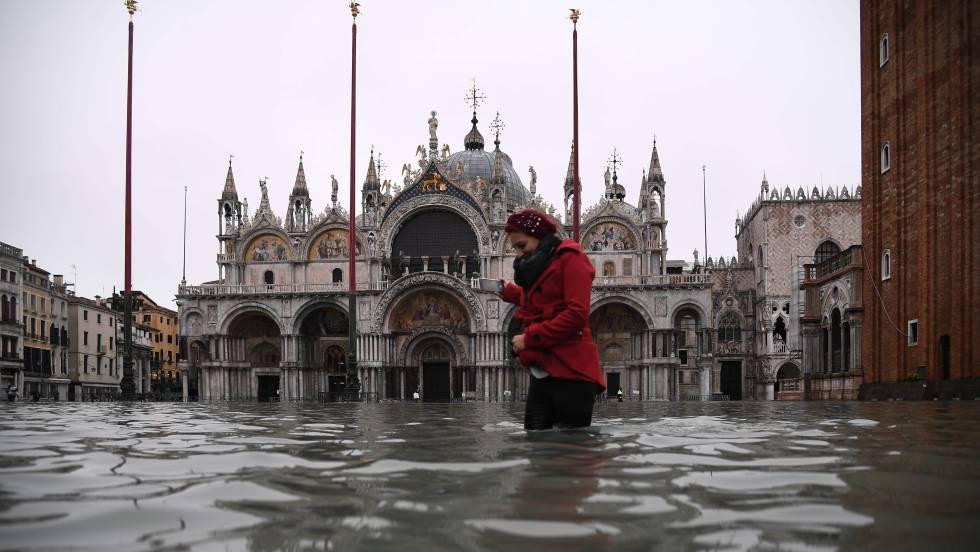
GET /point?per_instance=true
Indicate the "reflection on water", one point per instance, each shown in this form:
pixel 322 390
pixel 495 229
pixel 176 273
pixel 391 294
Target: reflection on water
pixel 406 476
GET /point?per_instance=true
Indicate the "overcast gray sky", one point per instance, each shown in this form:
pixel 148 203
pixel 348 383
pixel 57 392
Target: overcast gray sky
pixel 742 87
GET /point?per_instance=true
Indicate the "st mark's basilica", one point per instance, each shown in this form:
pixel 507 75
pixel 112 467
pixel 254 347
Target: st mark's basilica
pixel 274 324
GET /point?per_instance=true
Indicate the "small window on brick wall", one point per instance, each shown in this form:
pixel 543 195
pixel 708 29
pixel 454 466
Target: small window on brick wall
pixel 883 51
pixel 886 265
pixel 913 332
pixel 886 157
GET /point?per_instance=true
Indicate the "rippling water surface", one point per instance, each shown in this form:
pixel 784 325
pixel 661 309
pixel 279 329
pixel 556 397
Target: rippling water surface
pixel 408 476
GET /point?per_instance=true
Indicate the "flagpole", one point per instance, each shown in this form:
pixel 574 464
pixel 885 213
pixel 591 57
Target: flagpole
pixel 353 385
pixel 576 185
pixel 183 278
pixel 704 196
pixel 126 386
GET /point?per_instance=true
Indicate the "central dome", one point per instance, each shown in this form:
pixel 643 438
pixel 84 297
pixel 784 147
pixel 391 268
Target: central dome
pixel 479 162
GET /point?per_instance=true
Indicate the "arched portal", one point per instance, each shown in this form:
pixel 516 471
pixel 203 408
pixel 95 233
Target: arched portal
pixel 788 382
pixel 613 326
pixel 254 338
pixel 429 236
pixel 436 359
pixel 323 340
pixel 617 328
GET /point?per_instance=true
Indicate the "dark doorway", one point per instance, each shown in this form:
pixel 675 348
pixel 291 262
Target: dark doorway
pixel 336 384
pixel 457 382
pixel 944 356
pixel 268 388
pixel 411 381
pixel 435 381
pixel 612 384
pixel 731 380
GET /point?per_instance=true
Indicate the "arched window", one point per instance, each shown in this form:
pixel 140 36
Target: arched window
pixel 4 308
pixel 826 250
pixel 687 329
pixel 338 275
pixel 886 264
pixel 835 341
pixel 270 278
pixel 886 157
pixel 13 307
pixel 846 347
pixel 883 50
pixel 729 328
pixel 779 331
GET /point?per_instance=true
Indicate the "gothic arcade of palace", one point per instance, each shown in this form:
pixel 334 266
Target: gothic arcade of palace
pixel 275 321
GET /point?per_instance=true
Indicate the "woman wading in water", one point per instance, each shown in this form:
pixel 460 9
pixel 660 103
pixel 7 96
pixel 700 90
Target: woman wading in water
pixel 552 288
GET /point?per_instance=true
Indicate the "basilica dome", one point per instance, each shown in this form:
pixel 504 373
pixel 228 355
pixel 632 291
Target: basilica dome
pixel 479 162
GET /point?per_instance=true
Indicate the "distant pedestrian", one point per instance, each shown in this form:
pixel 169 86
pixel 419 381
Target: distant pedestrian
pixel 415 395
pixel 12 393
pixel 619 394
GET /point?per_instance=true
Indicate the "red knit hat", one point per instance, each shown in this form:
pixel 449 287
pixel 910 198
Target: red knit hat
pixel 532 222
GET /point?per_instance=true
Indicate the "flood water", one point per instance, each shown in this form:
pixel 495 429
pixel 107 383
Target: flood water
pixel 410 476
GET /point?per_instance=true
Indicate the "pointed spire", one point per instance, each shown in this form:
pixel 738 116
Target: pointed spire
pixel 299 188
pixel 570 175
pixel 230 192
pixel 655 172
pixel 498 166
pixel 372 173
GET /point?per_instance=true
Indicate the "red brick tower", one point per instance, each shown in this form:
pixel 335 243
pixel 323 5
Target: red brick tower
pixel 920 85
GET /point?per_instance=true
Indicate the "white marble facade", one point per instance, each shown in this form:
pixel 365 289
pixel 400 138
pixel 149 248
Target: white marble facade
pixel 274 324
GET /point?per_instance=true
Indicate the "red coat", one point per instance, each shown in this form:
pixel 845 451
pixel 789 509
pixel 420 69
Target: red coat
pixel 555 313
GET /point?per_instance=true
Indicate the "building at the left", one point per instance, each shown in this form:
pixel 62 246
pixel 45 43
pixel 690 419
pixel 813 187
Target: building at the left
pixel 11 344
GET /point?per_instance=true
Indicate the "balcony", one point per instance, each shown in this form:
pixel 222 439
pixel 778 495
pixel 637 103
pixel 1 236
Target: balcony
pixel 227 258
pixel 274 289
pixel 655 280
pixel 852 256
pixel 10 357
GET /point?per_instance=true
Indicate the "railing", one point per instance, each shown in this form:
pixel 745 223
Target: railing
pixel 789 385
pixel 843 259
pixel 275 289
pixel 10 356
pixel 226 257
pixel 11 251
pixel 653 280
pixel 779 347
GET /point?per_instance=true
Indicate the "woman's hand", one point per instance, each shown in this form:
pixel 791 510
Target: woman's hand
pixel 518 343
